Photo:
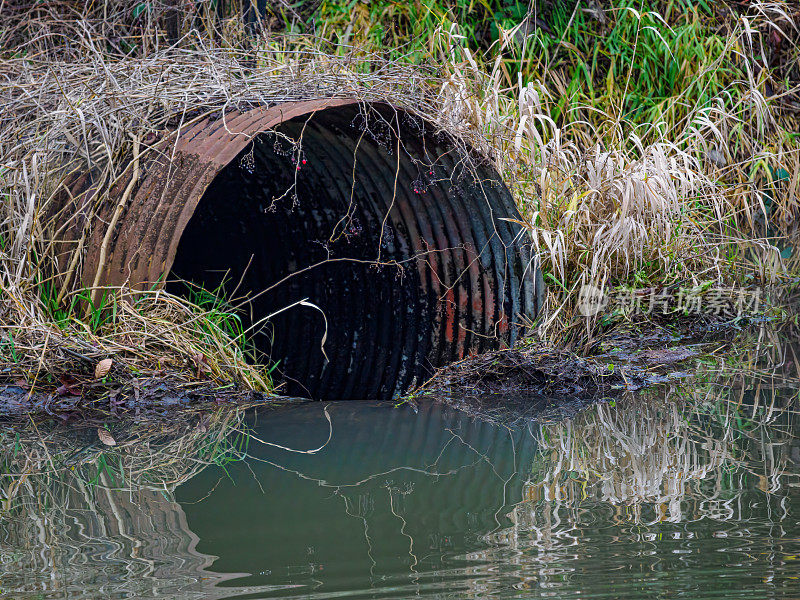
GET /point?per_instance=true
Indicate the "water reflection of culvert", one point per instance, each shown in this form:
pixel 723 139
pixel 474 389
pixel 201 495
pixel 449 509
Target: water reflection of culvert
pixel 406 243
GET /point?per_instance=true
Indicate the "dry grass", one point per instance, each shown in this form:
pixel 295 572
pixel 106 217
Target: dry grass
pixel 144 333
pixel 605 201
pixel 703 195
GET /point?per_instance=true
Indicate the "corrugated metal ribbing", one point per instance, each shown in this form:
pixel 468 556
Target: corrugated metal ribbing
pixel 320 191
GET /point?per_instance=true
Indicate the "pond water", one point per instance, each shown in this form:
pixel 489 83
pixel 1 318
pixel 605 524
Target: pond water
pixel 690 490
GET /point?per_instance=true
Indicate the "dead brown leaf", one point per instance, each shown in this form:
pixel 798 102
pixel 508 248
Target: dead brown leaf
pixel 106 437
pixel 102 368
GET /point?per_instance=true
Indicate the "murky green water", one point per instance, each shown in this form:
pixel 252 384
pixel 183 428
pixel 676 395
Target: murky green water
pixel 681 492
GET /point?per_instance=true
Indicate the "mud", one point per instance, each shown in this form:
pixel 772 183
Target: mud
pixel 544 383
pixel 146 398
pixel 510 384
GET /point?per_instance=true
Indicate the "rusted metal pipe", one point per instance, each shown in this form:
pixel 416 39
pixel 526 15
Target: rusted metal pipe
pixel 404 239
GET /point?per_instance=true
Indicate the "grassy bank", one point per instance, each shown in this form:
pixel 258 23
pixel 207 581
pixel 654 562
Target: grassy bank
pixel 649 145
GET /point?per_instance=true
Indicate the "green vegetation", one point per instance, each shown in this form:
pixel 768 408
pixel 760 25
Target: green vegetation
pixel 648 143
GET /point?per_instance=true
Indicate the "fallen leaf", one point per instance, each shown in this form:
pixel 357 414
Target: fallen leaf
pixel 106 437
pixel 102 368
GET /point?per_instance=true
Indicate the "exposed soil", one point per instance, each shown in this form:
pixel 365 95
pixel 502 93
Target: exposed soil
pixel 528 380
pixel 138 398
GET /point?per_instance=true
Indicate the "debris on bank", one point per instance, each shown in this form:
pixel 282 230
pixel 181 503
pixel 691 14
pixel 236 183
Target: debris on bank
pixel 138 398
pixel 541 380
pixel 549 371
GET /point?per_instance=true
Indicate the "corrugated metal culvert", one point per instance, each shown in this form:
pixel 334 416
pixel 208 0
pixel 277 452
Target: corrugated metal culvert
pixel 400 238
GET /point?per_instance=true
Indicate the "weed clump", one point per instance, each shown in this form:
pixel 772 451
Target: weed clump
pixel 648 144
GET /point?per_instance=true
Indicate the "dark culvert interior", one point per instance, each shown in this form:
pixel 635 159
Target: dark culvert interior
pixel 401 246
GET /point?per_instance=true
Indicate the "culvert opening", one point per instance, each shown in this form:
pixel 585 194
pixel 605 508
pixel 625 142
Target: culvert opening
pixel 373 220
